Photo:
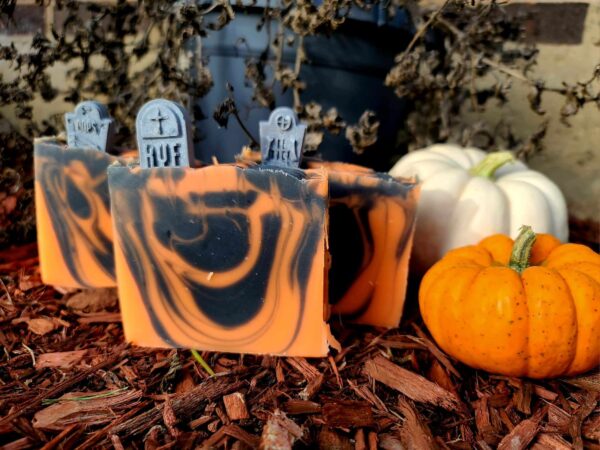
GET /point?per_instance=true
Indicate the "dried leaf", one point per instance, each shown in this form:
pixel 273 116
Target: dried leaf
pixel 312 140
pixel 364 134
pixel 42 325
pixel 28 282
pixel 93 300
pixel 63 360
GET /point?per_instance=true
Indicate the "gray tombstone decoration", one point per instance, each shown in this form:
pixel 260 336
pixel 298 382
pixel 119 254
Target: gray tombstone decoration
pixel 90 126
pixel 164 135
pixel 282 139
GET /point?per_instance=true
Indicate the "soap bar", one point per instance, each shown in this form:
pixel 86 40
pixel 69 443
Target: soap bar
pixel 73 215
pixel 222 258
pixel 371 227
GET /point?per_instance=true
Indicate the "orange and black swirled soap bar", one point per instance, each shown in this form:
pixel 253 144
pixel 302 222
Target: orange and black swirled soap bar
pixel 72 204
pixel 218 258
pixel 221 258
pixel 371 227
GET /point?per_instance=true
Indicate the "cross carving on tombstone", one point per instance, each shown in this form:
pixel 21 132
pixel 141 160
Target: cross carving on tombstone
pixel 159 119
pixel 284 121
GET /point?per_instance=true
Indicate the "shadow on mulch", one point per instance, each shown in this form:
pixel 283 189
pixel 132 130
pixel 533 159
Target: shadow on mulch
pixel 67 380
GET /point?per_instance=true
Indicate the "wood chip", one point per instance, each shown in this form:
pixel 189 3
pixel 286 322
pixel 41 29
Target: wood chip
pixel 304 367
pixel 437 373
pixel 312 387
pixel 183 405
pixel 550 441
pixel 359 440
pixel 520 437
pixel 373 441
pixel 365 393
pixel 414 386
pixel 587 382
pixel 390 442
pixel 435 351
pixel 235 405
pixel 329 439
pixel 116 442
pixel 486 431
pixel 202 420
pixel 101 317
pixel 522 398
pixel 348 414
pixel 90 410
pixel 295 406
pixel 558 419
pixel 591 428
pixel 241 435
pixel 279 433
pixel 169 418
pixel 63 360
pixel 414 434
pixel 544 393
pixel 64 385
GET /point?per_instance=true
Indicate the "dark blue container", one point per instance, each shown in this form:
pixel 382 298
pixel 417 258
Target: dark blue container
pixel 346 70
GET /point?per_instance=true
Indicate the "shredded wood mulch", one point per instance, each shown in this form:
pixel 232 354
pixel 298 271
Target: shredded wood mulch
pixel 68 380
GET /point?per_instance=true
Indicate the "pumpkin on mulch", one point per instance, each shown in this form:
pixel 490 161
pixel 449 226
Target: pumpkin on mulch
pixel 67 380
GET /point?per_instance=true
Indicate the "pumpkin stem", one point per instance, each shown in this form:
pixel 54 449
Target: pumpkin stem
pixel 492 162
pixel 521 251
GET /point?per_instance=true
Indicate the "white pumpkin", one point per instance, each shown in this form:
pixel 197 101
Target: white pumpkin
pixel 467 195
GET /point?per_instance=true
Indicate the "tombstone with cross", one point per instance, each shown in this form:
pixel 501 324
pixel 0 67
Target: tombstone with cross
pixel 90 126
pixel 164 136
pixel 281 139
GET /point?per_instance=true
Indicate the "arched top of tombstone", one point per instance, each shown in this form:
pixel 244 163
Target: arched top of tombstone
pixel 89 126
pixel 163 131
pixel 282 138
pixel 160 119
pixel 92 109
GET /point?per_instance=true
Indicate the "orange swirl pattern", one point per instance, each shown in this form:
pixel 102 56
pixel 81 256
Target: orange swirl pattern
pixel 73 216
pixel 372 220
pixel 222 258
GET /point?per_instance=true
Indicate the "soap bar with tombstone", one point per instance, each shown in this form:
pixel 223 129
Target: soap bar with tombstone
pixel 72 203
pixel 371 227
pixel 218 258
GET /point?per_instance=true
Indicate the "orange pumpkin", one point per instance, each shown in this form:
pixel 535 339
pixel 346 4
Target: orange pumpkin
pixel 529 308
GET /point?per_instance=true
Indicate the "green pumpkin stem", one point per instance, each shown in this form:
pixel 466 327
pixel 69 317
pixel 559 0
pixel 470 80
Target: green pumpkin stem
pixel 492 162
pixel 521 251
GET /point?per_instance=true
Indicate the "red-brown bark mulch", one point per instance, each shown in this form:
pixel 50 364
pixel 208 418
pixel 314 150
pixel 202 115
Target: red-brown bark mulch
pixel 68 380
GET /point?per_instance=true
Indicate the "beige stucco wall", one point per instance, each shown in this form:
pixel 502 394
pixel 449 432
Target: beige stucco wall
pixel 572 154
